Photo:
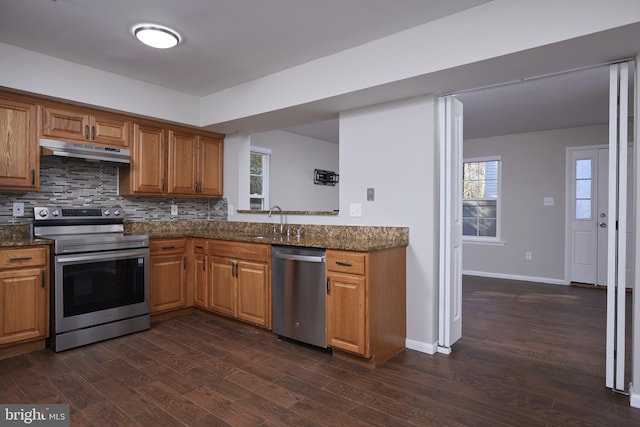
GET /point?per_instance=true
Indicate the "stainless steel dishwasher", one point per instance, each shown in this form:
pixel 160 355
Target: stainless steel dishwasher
pixel 298 282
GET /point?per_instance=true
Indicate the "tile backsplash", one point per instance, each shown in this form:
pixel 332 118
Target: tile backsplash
pixel 72 182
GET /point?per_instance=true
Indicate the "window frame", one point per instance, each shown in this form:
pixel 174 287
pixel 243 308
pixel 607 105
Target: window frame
pixel 485 239
pixel 266 153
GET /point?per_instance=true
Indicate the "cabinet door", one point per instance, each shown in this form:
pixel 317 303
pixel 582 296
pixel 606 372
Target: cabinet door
pixel 201 285
pixel 222 286
pixel 148 159
pixel 182 163
pixel 167 282
pixel 346 321
pixel 23 305
pixel 66 125
pixel 210 166
pixel 112 131
pixel 252 284
pixel 19 158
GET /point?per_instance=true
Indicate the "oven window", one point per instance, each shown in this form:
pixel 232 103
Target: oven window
pixel 101 285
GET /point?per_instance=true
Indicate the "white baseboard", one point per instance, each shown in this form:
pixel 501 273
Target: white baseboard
pixel 420 346
pixel 634 398
pixel 515 277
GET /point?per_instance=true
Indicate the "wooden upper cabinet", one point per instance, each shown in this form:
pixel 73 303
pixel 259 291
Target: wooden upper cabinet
pixel 100 129
pixel 210 166
pixel 19 158
pixel 146 174
pixel 182 163
pixel 110 130
pixel 172 162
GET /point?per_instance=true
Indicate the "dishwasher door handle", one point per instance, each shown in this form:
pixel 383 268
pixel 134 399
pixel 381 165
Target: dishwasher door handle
pixel 307 258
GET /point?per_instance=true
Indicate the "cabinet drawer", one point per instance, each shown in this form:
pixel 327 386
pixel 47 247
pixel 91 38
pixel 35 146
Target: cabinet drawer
pixel 346 262
pixel 200 246
pixel 23 257
pixel 167 246
pixel 239 250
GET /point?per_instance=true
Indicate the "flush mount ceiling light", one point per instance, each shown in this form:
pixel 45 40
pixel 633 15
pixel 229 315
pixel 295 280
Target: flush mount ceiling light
pixel 157 36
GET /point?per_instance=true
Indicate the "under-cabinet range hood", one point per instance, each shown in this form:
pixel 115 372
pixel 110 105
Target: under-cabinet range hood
pixel 52 147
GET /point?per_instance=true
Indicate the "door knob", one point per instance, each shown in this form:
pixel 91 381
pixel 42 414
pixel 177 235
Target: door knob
pixel 603 224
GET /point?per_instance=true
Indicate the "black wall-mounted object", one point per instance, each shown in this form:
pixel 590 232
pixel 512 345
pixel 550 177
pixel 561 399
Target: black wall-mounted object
pixel 323 177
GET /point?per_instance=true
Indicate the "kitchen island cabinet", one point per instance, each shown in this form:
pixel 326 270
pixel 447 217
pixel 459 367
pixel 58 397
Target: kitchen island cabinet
pixel 19 158
pixel 167 274
pixel 366 302
pixel 24 296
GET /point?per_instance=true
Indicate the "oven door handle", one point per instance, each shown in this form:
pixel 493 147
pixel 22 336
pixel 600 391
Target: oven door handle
pixel 100 256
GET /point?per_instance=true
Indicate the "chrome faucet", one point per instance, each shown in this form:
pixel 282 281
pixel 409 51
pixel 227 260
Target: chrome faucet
pixel 274 207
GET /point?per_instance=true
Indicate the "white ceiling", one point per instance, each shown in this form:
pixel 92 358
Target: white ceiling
pixel 226 42
pixel 229 42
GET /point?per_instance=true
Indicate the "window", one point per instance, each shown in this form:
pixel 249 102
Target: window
pixel 480 199
pixel 259 178
pixel 584 178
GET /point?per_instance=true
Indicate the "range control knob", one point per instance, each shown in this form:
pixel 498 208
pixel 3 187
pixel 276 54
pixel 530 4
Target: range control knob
pixel 43 213
pixel 55 212
pixel 116 212
pixel 107 212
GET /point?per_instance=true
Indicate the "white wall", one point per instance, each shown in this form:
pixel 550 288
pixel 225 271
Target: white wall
pixel 392 148
pixel 533 167
pixel 293 161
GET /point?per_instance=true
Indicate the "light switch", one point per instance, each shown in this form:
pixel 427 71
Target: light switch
pixel 548 201
pixel 174 210
pixel 355 209
pixel 370 194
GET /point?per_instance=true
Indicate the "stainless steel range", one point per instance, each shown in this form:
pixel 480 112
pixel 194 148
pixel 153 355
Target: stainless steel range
pixel 100 275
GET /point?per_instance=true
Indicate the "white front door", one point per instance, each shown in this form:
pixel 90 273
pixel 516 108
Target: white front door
pixel 584 215
pixel 590 222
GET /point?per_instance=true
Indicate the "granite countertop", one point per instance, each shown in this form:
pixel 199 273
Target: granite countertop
pixel 360 243
pixel 10 243
pixel 355 238
pixel 14 235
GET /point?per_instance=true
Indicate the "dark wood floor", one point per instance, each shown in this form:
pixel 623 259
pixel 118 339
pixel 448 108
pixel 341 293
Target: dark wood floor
pixel 531 355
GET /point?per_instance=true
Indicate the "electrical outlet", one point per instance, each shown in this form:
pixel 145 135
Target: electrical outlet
pixel 528 256
pixel 174 210
pixel 548 201
pixel 18 209
pixel 355 209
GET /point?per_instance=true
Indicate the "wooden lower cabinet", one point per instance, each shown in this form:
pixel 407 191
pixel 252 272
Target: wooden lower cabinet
pixel 200 273
pixel 167 274
pixel 346 318
pixel 240 281
pixel 222 286
pixel 366 302
pixel 24 294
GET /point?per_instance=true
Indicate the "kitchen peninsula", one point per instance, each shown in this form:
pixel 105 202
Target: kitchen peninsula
pixel 371 294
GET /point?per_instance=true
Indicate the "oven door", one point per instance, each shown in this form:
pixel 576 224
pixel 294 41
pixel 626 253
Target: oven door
pixel 100 287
